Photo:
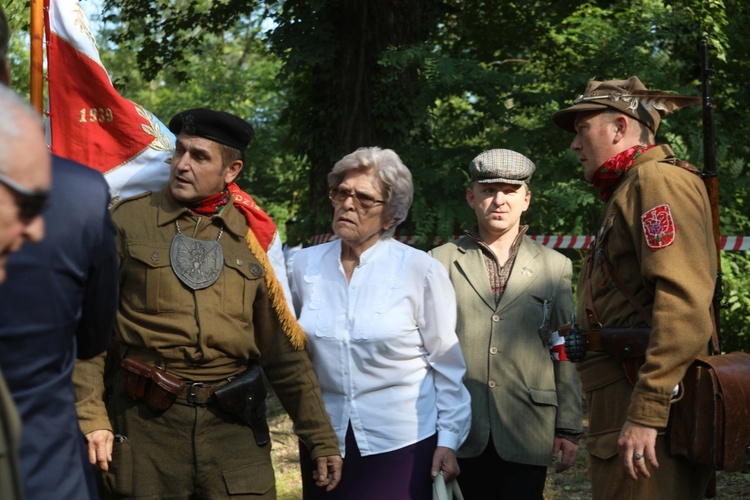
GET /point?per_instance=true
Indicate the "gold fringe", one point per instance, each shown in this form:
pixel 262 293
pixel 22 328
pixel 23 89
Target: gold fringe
pixel 278 301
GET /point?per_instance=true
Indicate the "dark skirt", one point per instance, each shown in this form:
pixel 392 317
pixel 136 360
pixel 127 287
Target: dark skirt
pixel 402 474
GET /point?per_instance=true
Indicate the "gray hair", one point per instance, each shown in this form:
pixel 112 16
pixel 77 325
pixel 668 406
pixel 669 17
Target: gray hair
pixel 14 111
pixel 399 189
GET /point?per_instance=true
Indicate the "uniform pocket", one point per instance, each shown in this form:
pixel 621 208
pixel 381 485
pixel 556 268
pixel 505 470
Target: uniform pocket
pixel 255 479
pixel 240 277
pixel 151 285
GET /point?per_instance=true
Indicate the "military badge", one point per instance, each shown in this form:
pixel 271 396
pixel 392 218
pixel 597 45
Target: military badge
pixel 658 227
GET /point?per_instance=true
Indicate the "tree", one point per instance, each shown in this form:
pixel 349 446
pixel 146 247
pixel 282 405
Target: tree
pixel 439 81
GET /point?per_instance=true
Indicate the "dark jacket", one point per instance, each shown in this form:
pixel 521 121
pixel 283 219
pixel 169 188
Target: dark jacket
pixel 58 303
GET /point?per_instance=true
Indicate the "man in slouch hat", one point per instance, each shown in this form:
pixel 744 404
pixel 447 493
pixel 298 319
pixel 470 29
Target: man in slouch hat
pixel 181 410
pixel 655 227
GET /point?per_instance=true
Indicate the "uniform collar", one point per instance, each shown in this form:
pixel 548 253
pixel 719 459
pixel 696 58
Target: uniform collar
pixel 170 210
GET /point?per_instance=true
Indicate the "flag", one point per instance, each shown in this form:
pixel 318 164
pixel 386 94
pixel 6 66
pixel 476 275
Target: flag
pixel 89 121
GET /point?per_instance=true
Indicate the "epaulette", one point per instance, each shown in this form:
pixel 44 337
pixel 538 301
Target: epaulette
pixel 117 201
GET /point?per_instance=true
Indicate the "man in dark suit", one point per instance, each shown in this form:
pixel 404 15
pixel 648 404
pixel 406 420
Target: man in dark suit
pixel 58 303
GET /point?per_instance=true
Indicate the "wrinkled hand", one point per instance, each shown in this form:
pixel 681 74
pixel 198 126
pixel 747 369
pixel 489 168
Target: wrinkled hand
pixel 444 459
pixel 100 445
pixel 637 439
pixel 328 471
pixel 566 450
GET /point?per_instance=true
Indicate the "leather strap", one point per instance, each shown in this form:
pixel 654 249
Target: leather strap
pixel 198 393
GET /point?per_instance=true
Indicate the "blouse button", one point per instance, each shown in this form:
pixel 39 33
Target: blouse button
pixel 496 318
pixel 493 350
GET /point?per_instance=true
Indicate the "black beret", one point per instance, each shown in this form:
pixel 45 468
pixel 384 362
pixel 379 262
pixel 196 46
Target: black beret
pixel 218 126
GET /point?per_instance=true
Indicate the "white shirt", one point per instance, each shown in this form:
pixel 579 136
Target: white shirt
pixel 278 262
pixel 384 345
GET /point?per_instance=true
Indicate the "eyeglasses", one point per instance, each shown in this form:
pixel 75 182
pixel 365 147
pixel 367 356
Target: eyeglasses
pixel 30 203
pixel 362 201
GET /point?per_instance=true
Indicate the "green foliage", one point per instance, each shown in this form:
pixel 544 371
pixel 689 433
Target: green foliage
pixel 17 14
pixel 439 81
pixel 227 67
pixel 733 325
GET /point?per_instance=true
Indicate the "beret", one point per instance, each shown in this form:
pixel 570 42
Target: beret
pixel 501 165
pixel 629 97
pixel 218 126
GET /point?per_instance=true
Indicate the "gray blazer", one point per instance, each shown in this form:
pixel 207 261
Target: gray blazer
pixel 518 393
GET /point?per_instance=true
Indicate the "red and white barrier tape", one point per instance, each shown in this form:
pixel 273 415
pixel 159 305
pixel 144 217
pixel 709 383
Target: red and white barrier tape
pixel 728 243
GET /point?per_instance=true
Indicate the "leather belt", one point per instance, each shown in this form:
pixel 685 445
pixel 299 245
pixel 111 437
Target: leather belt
pixel 198 393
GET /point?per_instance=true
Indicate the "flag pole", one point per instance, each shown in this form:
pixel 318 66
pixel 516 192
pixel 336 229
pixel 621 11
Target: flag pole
pixel 37 36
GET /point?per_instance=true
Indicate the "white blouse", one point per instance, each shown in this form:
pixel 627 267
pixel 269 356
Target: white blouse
pixel 384 345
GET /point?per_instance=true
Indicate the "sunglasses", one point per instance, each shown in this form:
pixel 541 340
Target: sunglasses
pixel 361 201
pixel 30 203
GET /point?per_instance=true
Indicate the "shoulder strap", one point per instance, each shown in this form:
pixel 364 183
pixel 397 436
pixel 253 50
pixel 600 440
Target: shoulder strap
pixel 621 286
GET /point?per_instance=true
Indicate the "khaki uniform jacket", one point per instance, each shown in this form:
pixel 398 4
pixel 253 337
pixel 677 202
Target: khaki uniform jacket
pixel 10 436
pixel 201 335
pixel 518 393
pixel 675 285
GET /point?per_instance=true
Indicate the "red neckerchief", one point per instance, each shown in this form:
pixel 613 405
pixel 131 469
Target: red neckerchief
pixel 608 175
pixel 260 223
pixel 211 205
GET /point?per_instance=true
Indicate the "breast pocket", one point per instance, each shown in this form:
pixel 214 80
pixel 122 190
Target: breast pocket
pixel 241 278
pixel 150 284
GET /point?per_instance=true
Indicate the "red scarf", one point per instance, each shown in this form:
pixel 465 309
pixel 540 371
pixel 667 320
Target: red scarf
pixel 260 223
pixel 608 175
pixel 211 205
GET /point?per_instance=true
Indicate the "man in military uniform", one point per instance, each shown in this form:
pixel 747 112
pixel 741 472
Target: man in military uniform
pixel 653 265
pixel 200 310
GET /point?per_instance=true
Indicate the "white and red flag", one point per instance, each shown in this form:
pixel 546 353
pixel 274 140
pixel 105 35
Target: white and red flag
pixel 89 121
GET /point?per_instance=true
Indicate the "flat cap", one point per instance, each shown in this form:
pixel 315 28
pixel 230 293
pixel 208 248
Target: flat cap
pixel 630 97
pixel 501 165
pixel 218 126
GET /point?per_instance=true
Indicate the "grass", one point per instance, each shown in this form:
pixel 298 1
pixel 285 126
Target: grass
pixel 572 484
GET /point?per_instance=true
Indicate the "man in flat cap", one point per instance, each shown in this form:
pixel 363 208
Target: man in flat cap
pixel 181 411
pixel 512 293
pixel 653 265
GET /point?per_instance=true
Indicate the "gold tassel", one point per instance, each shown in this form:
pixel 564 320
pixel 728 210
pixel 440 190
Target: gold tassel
pixel 278 301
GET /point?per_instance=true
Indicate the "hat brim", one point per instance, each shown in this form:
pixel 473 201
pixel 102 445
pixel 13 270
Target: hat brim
pixel 500 180
pixel 565 118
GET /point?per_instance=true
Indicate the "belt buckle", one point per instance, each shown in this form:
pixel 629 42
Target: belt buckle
pixel 191 393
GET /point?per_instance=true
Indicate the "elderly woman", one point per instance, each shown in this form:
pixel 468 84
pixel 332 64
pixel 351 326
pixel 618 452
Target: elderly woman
pixel 380 321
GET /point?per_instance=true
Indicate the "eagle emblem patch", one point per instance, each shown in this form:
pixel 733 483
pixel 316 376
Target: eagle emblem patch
pixel 658 227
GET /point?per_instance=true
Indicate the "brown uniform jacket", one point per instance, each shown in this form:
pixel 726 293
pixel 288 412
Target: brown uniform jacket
pixel 674 284
pixel 201 335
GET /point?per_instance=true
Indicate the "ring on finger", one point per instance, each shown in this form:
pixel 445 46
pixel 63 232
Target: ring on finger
pixel 637 456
